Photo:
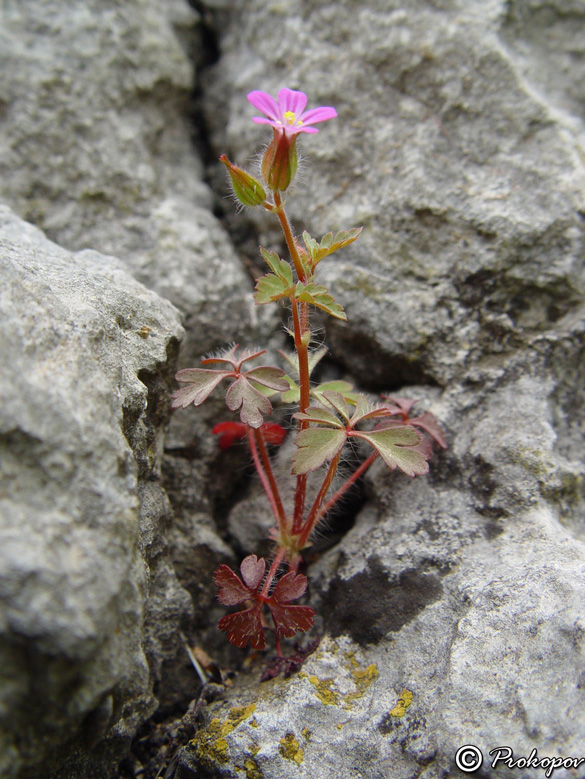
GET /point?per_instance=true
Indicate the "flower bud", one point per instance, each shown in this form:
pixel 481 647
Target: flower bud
pixel 280 161
pixel 247 189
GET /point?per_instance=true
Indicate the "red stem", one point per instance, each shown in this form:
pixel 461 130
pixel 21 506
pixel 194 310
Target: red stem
pixel 271 480
pixel 262 474
pixel 308 527
pixel 272 572
pixel 324 488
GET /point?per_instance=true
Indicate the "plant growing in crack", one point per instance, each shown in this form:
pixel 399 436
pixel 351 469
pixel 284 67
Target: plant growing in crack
pixel 329 414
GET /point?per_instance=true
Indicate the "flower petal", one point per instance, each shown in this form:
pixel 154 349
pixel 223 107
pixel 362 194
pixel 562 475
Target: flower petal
pixel 265 103
pixel 321 114
pixel 289 100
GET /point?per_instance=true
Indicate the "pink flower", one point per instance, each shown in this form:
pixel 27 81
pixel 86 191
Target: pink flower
pixel 288 112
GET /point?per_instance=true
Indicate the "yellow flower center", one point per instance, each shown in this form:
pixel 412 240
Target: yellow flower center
pixel 291 118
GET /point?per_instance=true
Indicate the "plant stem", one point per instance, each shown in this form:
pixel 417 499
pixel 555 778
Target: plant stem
pixel 262 475
pixel 288 236
pixel 324 488
pixel 270 476
pixel 300 314
pixel 335 497
pixel 273 570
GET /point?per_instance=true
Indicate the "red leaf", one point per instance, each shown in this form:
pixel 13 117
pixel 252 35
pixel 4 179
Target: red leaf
pixel 429 424
pixel 229 432
pixel 244 626
pixel 232 589
pixel 253 570
pixel 290 587
pixel 289 620
pixel 273 434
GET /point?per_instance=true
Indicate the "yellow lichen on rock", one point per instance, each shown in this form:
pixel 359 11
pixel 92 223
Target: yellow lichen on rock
pixel 290 748
pixel 324 692
pixel 402 704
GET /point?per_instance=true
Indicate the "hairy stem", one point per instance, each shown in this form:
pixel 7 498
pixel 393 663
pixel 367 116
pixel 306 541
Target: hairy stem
pixel 270 476
pixel 288 236
pixel 262 475
pixel 273 570
pixel 330 475
pixel 335 497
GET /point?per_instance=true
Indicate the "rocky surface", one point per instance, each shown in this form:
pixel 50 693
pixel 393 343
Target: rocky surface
pixel 453 608
pixel 87 354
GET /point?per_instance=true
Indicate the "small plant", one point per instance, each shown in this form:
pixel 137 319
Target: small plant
pixel 329 414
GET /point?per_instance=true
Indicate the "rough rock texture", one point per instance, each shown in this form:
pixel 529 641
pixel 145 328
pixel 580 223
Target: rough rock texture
pixel 87 353
pixel 459 146
pixel 96 149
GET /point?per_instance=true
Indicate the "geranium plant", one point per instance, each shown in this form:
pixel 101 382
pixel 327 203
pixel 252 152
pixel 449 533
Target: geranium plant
pixel 327 415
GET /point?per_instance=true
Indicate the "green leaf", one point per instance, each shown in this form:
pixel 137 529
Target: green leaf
pixel 319 296
pixel 270 288
pixel 316 445
pixel 344 388
pixel 329 243
pixel 320 416
pixel 397 446
pixel 337 401
pixel 314 358
pixel 292 395
pixel 269 376
pixel 281 268
pixel 365 409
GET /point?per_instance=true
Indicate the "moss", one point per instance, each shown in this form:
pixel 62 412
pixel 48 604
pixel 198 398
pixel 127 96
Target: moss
pixel 402 704
pixel 324 692
pixel 290 748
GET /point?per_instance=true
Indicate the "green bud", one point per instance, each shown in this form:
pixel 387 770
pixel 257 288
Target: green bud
pixel 280 161
pixel 248 190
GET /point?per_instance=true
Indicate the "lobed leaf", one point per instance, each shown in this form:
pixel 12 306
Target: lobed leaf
pixel 290 620
pixel 290 587
pixel 365 409
pixel 315 446
pixel 337 401
pixel 320 416
pixel 330 243
pixel 201 383
pixel 253 570
pixel 281 268
pixel 344 388
pixel 253 404
pixel 244 626
pixel 268 376
pixel 398 447
pixel 318 295
pixel 270 288
pixel 232 589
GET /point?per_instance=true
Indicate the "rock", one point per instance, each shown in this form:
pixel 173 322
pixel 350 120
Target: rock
pixel 453 608
pixel 96 149
pixel 87 351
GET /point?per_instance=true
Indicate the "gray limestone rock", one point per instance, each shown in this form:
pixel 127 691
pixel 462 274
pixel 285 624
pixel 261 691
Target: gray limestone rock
pixel 84 345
